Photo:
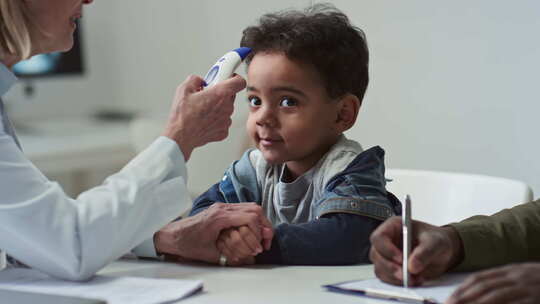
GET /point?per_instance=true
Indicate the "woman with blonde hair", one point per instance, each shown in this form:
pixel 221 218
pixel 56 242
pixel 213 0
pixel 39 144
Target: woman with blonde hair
pixel 73 238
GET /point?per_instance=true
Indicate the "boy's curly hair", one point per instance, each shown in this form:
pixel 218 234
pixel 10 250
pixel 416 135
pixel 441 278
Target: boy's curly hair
pixel 322 36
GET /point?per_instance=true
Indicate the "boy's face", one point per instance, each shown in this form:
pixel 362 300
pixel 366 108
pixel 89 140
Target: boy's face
pixel 291 120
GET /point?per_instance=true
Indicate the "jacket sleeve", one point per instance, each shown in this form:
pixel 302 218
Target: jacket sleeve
pixel 360 189
pixel 508 236
pixel 229 190
pixel 334 239
pixel 207 199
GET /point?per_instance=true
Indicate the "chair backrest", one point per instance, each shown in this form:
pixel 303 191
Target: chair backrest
pixel 441 197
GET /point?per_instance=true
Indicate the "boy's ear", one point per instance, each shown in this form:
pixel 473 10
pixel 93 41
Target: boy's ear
pixel 348 108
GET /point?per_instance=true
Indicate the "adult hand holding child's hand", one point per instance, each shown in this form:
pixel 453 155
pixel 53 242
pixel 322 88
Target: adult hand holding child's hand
pixel 241 244
pixel 195 238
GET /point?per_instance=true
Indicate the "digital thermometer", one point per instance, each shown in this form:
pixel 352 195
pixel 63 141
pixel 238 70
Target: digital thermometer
pixel 226 65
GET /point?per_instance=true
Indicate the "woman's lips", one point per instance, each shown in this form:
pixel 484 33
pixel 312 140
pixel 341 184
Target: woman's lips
pixel 74 19
pixel 76 16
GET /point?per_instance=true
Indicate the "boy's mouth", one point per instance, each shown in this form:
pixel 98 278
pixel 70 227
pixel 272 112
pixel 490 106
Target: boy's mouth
pixel 269 141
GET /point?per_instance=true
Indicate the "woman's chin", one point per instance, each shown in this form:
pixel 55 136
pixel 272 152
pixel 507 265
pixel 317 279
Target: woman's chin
pixel 59 46
pixel 67 45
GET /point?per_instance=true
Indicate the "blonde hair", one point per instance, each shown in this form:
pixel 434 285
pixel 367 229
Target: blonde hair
pixel 14 32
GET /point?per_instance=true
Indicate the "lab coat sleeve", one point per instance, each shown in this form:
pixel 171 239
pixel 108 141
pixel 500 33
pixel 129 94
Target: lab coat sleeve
pixel 73 238
pixel 147 249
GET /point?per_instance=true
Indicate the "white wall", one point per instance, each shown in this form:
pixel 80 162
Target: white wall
pixel 80 95
pixel 453 83
pixel 158 46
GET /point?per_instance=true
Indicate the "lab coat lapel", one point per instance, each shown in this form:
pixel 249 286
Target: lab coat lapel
pixel 7 124
pixel 4 259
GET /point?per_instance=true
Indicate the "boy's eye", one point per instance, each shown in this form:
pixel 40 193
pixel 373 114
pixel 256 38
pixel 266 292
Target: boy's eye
pixel 288 102
pixel 254 101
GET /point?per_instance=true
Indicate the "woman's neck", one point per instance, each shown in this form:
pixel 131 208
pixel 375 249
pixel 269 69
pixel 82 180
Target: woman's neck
pixel 9 61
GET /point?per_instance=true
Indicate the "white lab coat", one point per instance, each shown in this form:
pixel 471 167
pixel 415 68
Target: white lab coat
pixel 73 238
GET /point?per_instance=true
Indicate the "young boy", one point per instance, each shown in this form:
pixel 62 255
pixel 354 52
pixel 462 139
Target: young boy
pixel 307 75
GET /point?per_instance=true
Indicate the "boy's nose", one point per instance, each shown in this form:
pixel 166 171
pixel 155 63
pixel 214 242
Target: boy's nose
pixel 266 117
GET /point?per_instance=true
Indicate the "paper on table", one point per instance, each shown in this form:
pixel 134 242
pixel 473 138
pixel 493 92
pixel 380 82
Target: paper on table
pixel 439 289
pixel 114 290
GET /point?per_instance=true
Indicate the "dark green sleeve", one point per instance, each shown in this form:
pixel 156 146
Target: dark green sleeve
pixel 509 236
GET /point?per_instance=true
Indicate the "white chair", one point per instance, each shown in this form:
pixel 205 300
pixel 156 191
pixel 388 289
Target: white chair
pixel 441 197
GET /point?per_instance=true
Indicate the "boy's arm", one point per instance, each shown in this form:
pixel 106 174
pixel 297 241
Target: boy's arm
pixel 242 174
pixel 334 239
pixel 207 199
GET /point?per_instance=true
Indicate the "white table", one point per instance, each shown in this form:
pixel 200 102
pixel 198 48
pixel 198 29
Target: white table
pixel 255 284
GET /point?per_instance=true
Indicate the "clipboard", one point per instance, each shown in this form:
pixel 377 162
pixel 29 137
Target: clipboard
pixel 407 296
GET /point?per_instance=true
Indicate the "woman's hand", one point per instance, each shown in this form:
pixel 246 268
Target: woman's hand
pixel 194 238
pixel 200 116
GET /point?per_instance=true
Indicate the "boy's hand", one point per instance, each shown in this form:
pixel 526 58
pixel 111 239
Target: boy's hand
pixel 239 245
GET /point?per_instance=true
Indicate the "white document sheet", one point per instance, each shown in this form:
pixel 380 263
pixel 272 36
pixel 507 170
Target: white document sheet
pixel 114 290
pixel 437 290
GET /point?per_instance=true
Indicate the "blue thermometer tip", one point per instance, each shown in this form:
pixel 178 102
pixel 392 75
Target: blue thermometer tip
pixel 243 52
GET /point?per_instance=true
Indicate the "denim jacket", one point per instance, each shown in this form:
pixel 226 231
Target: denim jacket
pixel 354 203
